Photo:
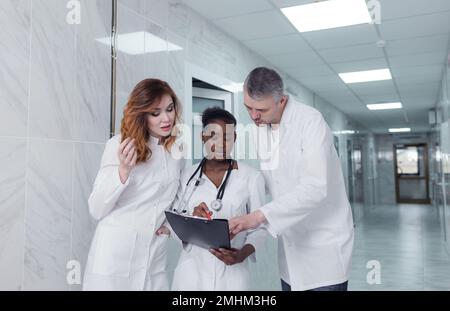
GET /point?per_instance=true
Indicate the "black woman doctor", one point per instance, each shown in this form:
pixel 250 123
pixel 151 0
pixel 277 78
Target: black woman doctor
pixel 227 188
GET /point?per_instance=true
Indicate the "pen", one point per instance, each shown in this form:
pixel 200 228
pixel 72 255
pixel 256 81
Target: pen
pixel 208 215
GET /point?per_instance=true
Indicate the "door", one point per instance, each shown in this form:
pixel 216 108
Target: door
pixel 203 98
pixel 411 171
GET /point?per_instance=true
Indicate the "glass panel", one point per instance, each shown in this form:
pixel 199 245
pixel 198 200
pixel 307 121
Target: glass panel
pixel 197 143
pixel 199 104
pixel 408 161
pixel 412 189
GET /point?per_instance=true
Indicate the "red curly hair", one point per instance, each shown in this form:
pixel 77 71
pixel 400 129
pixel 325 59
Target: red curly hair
pixel 143 100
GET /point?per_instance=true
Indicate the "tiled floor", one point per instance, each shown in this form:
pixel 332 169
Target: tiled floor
pixel 407 242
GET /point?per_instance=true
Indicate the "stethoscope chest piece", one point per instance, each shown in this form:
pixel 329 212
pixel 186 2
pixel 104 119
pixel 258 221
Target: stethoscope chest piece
pixel 216 205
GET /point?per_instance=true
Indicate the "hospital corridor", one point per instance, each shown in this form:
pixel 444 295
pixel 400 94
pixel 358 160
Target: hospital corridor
pixel 225 145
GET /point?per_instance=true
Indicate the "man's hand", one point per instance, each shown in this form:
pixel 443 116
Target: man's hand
pixel 233 256
pixel 246 222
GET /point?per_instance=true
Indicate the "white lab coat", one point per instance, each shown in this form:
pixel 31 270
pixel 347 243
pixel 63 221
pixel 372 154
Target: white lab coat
pixel 197 268
pixel 125 253
pixel 310 212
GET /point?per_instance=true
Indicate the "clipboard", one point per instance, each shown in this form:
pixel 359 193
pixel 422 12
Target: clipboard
pixel 200 231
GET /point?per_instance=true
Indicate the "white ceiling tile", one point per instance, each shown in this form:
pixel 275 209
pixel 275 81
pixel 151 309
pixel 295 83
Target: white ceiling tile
pixel 388 119
pixel 341 103
pixel 417 26
pixel 437 43
pixel 388 116
pixel 288 3
pixel 353 53
pixel 279 45
pixel 343 96
pixel 361 65
pixel 295 60
pixel 344 101
pixel 219 9
pixel 323 83
pixel 432 71
pixel 354 111
pixel 427 99
pixel 374 88
pixel 418 118
pixel 408 80
pixel 256 25
pixel 426 93
pixel 380 97
pixel 418 102
pixel 339 93
pixel 418 59
pixel 391 9
pixel 340 37
pixel 309 71
pixel 419 88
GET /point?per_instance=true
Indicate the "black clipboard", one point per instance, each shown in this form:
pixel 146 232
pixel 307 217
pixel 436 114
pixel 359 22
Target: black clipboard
pixel 200 231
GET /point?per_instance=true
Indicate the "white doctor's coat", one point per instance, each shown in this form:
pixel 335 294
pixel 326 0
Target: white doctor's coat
pixel 310 212
pixel 197 268
pixel 125 253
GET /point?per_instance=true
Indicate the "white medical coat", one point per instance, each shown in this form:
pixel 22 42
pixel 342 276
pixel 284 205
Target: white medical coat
pixel 197 268
pixel 310 212
pixel 125 253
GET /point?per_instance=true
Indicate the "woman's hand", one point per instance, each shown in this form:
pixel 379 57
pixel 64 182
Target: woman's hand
pixel 233 256
pixel 162 230
pixel 202 211
pixel 127 156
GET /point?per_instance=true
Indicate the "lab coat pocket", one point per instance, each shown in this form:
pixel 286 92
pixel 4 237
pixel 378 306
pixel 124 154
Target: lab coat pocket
pixel 159 258
pixel 114 253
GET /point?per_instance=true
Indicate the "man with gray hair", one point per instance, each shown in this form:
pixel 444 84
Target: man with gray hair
pixel 309 213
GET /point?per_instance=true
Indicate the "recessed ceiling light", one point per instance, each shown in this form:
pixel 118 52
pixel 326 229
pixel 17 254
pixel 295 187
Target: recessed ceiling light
pixel 140 42
pixel 327 14
pixel 384 106
pixel 366 76
pixel 400 130
pixel 344 132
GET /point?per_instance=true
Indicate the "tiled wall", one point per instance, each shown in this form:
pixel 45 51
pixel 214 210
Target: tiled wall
pixel 385 169
pixel 54 105
pixel 443 134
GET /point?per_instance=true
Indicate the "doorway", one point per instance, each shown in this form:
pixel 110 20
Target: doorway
pixel 205 95
pixel 411 173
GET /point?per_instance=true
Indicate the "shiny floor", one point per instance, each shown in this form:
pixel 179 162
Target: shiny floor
pixel 407 242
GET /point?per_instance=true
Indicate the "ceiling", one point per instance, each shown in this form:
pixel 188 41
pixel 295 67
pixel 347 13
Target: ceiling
pixel 416 32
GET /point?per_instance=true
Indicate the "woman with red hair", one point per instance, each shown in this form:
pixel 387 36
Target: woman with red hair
pixel 137 182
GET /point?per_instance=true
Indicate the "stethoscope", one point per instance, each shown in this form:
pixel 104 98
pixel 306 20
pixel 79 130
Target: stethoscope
pixel 190 187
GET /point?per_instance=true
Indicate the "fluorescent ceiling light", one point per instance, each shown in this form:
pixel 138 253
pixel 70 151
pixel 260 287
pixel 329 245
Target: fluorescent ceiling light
pixel 384 106
pixel 233 87
pixel 343 132
pixel 140 42
pixel 366 76
pixel 400 130
pixel 328 14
